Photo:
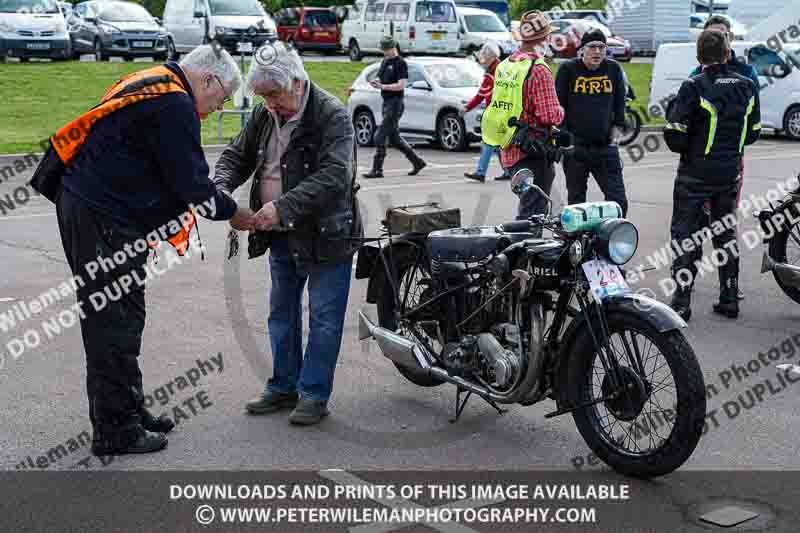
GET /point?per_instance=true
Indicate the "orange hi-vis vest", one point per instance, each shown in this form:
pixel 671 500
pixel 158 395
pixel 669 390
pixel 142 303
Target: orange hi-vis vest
pixel 146 84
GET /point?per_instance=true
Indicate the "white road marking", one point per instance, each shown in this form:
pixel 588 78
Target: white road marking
pixel 794 369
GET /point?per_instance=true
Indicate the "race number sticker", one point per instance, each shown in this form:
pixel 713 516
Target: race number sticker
pixel 604 278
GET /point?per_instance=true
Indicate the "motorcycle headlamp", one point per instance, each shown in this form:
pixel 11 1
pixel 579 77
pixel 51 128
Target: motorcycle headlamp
pixel 617 239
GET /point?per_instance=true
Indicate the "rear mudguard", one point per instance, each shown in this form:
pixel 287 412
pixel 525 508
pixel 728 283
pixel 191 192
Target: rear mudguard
pixel 661 316
pixel 370 265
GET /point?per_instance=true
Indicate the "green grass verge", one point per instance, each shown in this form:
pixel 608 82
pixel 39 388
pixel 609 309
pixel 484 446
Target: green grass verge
pixel 40 97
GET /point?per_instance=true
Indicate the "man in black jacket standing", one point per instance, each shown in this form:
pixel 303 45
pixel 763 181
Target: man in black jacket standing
pixel 591 90
pixel 138 169
pixel 713 117
pixel 391 80
pixel 299 147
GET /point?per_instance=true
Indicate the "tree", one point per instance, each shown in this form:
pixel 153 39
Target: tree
pixel 518 7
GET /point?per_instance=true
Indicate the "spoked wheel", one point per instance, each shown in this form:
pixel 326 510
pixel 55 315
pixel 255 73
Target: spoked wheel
pixel 653 427
pixel 633 125
pixel 785 248
pixel 413 289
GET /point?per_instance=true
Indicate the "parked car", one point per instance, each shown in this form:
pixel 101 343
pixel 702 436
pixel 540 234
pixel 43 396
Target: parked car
pixel 697 20
pixel 66 9
pixel 33 28
pixel 436 90
pixel 480 25
pixel 594 15
pixel 419 27
pixel 115 28
pixel 565 40
pixel 498 7
pixel 191 23
pixel 780 82
pixel 309 28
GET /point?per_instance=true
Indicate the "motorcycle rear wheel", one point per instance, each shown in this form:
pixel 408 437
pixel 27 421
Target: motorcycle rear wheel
pixel 672 445
pixel 779 252
pixel 387 316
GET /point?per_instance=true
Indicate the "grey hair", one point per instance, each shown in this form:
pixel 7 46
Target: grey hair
pixel 490 49
pixel 279 64
pixel 207 59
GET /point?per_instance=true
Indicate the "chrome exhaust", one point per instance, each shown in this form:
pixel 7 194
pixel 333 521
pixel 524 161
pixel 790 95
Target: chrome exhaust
pixel 788 274
pixel 395 347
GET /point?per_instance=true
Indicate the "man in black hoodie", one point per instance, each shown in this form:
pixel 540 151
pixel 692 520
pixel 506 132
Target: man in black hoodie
pixel 591 89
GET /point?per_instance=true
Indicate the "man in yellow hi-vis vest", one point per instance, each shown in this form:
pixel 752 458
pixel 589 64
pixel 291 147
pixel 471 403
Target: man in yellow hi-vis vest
pixel 524 89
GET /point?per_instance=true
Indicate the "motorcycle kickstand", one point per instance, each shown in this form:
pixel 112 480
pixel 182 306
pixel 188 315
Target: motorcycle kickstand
pixel 460 405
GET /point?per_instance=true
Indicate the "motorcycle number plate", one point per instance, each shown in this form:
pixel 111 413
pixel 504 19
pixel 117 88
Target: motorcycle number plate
pixel 605 279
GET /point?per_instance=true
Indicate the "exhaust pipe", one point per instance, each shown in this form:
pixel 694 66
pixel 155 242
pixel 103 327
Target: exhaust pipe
pixel 395 347
pixel 788 274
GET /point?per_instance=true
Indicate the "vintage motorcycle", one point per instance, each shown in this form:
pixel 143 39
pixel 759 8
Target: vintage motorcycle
pixel 514 317
pixel 492 310
pixel 781 227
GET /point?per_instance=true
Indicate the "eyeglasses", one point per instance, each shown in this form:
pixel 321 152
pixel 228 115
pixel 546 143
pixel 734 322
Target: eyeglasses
pixel 222 88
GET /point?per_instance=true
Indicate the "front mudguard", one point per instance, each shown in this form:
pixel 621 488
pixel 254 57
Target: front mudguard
pixel 661 316
pixel 370 261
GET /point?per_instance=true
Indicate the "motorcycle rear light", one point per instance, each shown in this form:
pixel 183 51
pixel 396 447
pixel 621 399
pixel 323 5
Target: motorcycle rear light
pixel 412 32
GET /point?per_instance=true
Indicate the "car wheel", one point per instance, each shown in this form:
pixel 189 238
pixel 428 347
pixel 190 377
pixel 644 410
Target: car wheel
pixel 99 54
pixel 791 123
pixel 24 59
pixel 451 132
pixel 172 53
pixel 364 125
pixel 160 57
pixel 355 51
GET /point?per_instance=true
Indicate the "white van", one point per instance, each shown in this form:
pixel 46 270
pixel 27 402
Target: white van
pixel 418 26
pixel 33 28
pixel 191 23
pixel 778 72
pixel 481 25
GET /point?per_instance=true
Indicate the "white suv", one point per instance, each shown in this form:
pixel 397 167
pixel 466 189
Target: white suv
pixel 419 27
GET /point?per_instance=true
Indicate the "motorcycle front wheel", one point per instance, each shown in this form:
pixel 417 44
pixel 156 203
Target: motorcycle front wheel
pixel 654 427
pixel 785 248
pixel 633 125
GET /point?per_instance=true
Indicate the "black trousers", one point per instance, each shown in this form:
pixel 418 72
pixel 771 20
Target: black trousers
pixel 605 164
pixel 112 333
pixel 531 202
pixel 389 130
pixel 688 219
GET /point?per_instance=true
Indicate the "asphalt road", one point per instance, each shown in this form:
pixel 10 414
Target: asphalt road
pixel 378 420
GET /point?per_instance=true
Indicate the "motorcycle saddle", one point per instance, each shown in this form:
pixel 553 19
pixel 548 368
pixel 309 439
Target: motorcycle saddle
pixel 470 244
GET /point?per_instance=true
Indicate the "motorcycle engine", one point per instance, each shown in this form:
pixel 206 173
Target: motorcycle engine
pixel 501 365
pixel 461 358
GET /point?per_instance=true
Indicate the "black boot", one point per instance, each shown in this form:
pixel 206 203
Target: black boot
pixel 372 174
pixel 682 302
pixel 131 439
pixel 419 164
pixel 728 304
pixel 162 424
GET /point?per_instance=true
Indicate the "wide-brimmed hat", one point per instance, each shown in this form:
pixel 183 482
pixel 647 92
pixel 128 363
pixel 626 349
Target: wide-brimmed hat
pixel 533 26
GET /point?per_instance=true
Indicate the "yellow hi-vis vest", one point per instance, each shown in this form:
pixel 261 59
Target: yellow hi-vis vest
pixel 507 101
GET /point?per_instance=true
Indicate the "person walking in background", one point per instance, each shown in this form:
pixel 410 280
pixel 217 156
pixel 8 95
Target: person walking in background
pixel 391 80
pixel 489 58
pixel 592 90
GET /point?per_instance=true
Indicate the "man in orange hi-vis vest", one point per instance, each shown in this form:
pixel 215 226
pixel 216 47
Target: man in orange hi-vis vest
pixel 128 173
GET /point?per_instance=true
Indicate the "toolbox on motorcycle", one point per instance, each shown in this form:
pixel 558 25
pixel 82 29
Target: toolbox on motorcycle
pixel 421 218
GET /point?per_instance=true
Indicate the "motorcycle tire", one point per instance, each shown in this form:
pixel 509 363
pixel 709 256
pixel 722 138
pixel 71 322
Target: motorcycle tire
pixel 634 121
pixel 387 319
pixel 777 251
pixel 689 407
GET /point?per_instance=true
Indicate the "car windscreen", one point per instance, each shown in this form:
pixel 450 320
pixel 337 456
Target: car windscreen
pixel 484 24
pixel 319 19
pixel 244 8
pixel 28 6
pixel 119 12
pixel 498 8
pixel 455 75
pixel 435 12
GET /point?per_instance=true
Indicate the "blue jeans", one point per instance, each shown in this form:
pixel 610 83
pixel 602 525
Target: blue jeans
pixel 486 156
pixel 328 288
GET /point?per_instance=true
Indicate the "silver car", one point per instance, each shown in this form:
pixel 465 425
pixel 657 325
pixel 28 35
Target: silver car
pixel 437 89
